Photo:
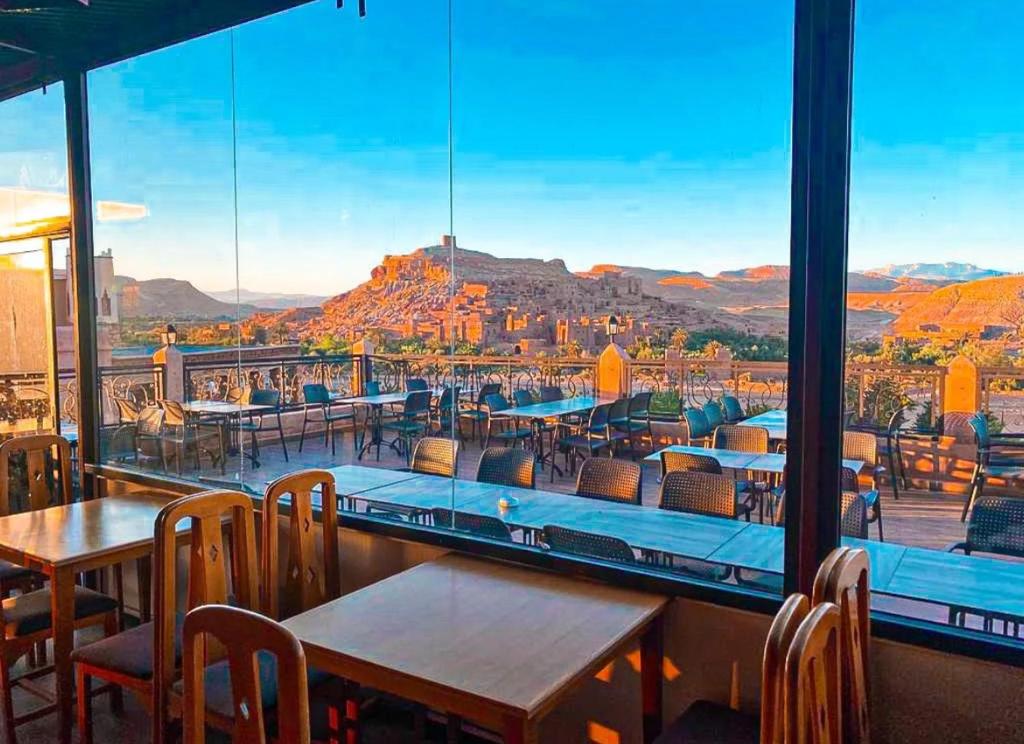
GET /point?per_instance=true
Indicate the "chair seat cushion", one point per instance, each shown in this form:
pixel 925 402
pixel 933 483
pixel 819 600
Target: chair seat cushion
pixel 217 679
pixel 30 613
pixel 129 653
pixel 13 572
pixel 705 722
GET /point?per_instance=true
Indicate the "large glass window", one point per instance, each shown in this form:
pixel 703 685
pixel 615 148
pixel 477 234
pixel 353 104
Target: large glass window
pixel 934 307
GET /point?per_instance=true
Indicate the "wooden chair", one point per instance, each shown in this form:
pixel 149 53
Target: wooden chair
pixel 243 635
pixel 812 686
pixel 144 659
pixel 26 618
pixel 707 722
pixel 843 579
pixel 609 480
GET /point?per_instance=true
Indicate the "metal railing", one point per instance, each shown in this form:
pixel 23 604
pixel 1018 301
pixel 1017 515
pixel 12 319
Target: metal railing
pixel 682 383
pixel 141 385
pixel 287 375
pixel 1002 395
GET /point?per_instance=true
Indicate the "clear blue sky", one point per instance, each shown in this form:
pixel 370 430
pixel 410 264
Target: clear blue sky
pixel 645 133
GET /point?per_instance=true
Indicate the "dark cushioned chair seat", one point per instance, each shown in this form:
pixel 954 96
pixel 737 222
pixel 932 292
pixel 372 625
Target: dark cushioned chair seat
pixel 29 613
pixel 218 684
pixel 130 652
pixel 705 722
pixel 12 571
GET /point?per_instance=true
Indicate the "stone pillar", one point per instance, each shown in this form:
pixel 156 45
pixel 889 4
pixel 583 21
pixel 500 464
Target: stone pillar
pixel 363 368
pixel 962 391
pixel 173 362
pixel 613 372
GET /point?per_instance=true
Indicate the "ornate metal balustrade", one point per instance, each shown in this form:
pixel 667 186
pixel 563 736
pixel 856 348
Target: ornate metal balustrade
pixel 574 376
pixel 680 383
pixel 217 380
pixel 1002 395
pixel 141 385
pixel 874 392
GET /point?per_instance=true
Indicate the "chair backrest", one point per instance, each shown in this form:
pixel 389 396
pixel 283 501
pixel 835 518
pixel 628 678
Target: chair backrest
pixel 47 464
pixel 522 398
pixel 489 389
pixel 265 398
pixel 449 400
pixel 699 493
pixel 417 403
pixel 996 525
pixel 861 445
pixel 609 480
pixel 619 411
pixel 843 579
pixel 813 680
pixel 415 384
pixel 372 387
pixel 308 581
pixel 681 461
pixel 436 456
pixel 853 520
pixel 496 402
pixel 753 439
pixel 506 466
pixel 733 409
pixel 127 410
pixel 316 394
pixel 978 425
pixel 714 414
pixel 696 423
pixel 776 646
pixel 566 540
pixel 598 422
pixel 208 573
pixel 640 405
pixel 848 480
pixel 174 413
pixel 243 634
pixel 478 524
pixel 550 393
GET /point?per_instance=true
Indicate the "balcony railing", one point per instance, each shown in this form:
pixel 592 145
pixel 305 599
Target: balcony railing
pixel 1002 395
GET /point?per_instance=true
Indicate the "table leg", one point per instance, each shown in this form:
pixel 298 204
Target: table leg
pixel 651 659
pixel 62 605
pixel 518 731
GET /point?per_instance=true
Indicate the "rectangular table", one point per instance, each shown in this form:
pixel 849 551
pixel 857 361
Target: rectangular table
pixel 63 541
pixel 772 462
pixel 350 480
pixel 773 421
pixel 496 644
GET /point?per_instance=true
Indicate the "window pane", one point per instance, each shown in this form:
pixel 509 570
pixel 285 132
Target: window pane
pixel 935 297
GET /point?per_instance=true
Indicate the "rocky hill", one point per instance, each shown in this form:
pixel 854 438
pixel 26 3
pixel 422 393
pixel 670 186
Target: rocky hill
pixel 172 299
pixel 996 303
pixel 267 300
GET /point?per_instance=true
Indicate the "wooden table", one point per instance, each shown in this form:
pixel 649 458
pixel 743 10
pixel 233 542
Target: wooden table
pixel 63 541
pixel 493 643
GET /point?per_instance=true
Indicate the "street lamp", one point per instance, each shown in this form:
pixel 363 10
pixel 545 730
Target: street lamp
pixel 613 328
pixel 170 336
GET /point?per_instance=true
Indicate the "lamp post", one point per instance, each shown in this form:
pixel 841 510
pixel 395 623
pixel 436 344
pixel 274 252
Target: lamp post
pixel 613 328
pixel 170 336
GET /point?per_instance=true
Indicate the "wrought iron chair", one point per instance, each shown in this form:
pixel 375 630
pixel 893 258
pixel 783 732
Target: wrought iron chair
pixel 410 423
pixel 609 480
pixel 698 430
pixel 477 413
pixel 317 398
pixel 478 524
pixel 257 422
pixel 733 409
pixel 504 466
pixel 589 544
pixel 508 429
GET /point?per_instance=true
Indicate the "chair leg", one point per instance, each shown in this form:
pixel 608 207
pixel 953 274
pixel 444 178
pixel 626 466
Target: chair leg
pixel 330 435
pixel 110 628
pixel 284 445
pixel 977 482
pixel 8 693
pixel 302 434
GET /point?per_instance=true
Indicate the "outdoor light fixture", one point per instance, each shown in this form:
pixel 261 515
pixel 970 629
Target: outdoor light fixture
pixel 170 336
pixel 613 328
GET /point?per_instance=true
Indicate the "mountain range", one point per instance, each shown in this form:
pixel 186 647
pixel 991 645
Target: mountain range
pixel 944 272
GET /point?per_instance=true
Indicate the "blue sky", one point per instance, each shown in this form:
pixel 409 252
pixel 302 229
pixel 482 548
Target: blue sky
pixel 646 133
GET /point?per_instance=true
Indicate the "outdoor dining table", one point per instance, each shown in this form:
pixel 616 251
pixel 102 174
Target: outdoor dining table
pixel 559 409
pixel 225 411
pixel 64 541
pixel 771 462
pixel 493 643
pixel 774 421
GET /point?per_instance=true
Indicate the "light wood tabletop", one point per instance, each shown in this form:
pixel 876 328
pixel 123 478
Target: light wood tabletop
pixel 490 642
pixel 62 542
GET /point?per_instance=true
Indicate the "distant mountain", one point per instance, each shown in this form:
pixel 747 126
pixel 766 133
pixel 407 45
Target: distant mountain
pixel 944 272
pixel 268 300
pixel 968 307
pixel 173 299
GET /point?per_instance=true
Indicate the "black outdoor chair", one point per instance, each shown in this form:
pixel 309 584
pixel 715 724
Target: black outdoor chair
pixel 478 524
pixel 411 422
pixel 589 544
pixel 609 480
pixel 503 466
pixel 258 421
pixel 713 413
pixel 477 413
pixel 550 393
pixel 445 412
pixel 996 526
pixel 674 462
pixel 508 429
pixel 317 399
pixel 436 456
pixel 733 409
pixel 522 398
pixel 698 430
pixel 416 385
pixel 593 437
pixel 708 494
pixel 635 420
pixel 999 456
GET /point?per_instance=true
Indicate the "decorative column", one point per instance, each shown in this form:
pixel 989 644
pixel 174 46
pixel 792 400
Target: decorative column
pixel 963 389
pixel 362 350
pixel 613 372
pixel 172 360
